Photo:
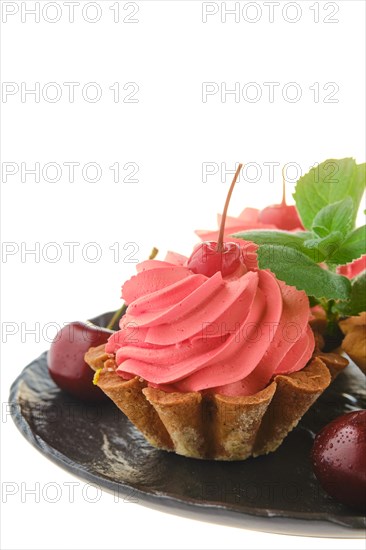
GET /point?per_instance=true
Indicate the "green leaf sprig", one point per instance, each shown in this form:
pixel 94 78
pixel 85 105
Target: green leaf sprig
pixel 327 199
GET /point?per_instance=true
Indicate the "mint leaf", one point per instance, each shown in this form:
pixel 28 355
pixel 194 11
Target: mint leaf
pixel 324 249
pixel 352 247
pixel 334 217
pixel 282 238
pixel 296 269
pixel 269 236
pixel 357 302
pixel 331 181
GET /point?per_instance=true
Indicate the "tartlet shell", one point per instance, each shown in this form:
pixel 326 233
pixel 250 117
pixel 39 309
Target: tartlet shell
pixel 213 426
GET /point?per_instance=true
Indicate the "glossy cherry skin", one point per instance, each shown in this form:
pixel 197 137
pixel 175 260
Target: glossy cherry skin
pixel 282 216
pixel 339 459
pixel 206 260
pixel 66 359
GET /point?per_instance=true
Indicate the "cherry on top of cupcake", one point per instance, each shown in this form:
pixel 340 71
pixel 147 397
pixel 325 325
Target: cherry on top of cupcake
pixel 228 256
pixel 212 256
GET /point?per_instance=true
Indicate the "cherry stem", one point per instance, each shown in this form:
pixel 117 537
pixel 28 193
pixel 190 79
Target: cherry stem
pixel 122 310
pixel 283 187
pixel 220 240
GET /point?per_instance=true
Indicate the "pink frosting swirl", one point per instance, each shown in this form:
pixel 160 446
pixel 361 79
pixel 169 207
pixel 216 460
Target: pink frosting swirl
pixel 188 332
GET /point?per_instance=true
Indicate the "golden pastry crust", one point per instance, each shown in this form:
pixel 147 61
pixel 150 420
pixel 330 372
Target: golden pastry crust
pixel 212 426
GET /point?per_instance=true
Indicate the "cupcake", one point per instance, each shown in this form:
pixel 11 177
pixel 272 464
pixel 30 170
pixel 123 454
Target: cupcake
pixel 215 357
pixel 219 367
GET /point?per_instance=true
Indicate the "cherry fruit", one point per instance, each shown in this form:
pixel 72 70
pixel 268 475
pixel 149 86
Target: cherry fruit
pixel 339 459
pixel 66 359
pixel 210 257
pixel 206 260
pixel 282 216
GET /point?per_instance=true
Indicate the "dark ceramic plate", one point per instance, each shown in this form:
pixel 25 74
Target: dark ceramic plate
pixel 99 444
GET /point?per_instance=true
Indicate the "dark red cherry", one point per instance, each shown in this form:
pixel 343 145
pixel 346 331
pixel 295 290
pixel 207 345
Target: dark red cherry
pixel 66 359
pixel 206 260
pixel 210 257
pixel 282 216
pixel 339 459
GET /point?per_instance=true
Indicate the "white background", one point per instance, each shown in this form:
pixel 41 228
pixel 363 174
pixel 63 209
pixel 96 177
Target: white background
pixel 169 133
